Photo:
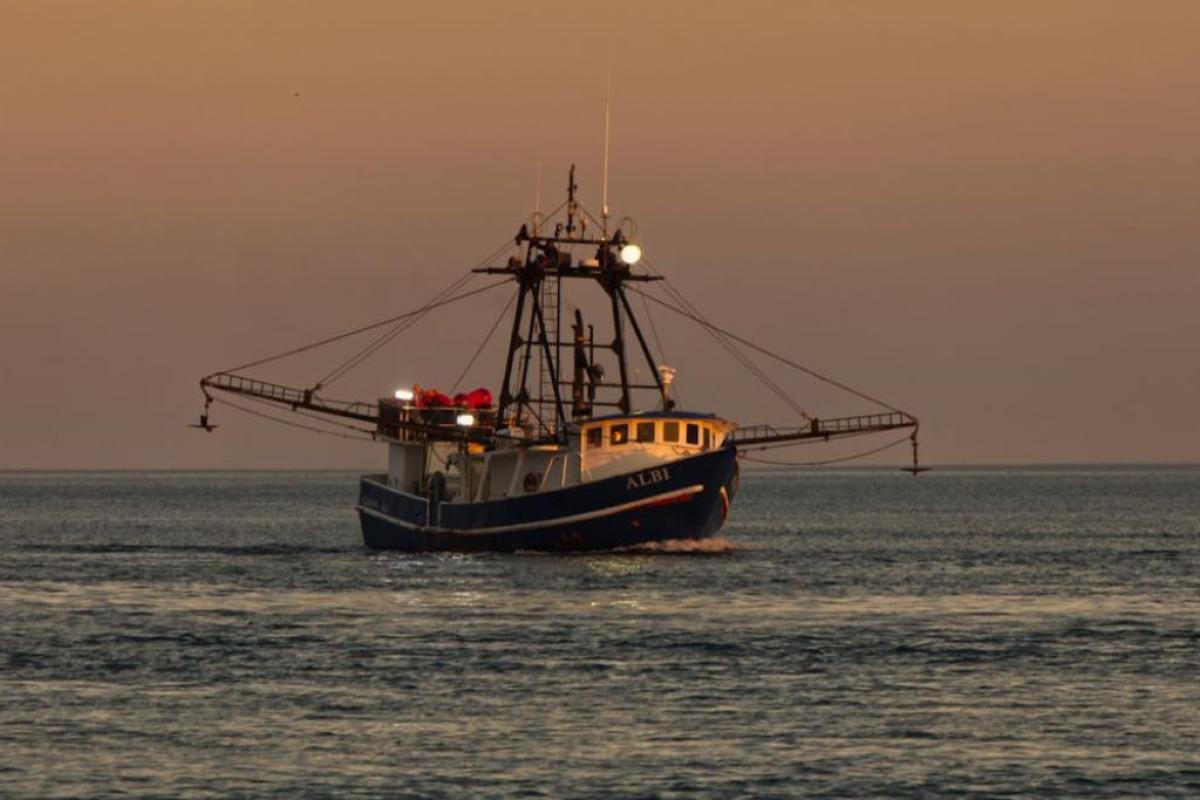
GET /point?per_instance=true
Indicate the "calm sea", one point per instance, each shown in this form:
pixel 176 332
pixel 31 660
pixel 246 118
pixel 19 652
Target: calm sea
pixel 968 633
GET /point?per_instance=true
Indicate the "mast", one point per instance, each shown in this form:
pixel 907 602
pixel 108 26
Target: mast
pixel 604 190
pixel 564 252
pixel 618 347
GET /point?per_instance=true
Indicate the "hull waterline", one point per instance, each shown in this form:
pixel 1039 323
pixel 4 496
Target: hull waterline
pixel 684 499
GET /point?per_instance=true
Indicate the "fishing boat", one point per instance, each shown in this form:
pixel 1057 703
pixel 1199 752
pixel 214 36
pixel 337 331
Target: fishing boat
pixel 585 447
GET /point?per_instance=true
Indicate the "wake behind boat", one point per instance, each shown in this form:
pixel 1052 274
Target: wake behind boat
pixel 578 452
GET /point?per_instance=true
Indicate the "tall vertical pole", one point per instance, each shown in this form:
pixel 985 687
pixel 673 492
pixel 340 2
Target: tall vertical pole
pixel 604 191
pixel 618 346
pixel 637 329
pixel 537 203
pixel 514 344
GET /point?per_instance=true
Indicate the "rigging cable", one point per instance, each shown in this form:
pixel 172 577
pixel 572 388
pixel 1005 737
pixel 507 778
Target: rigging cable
pixel 864 454
pixel 289 423
pixel 403 326
pixel 365 328
pixel 730 348
pixel 813 373
pixel 375 346
pixel 662 353
pixel 317 416
pixel 483 344
pixel 321 343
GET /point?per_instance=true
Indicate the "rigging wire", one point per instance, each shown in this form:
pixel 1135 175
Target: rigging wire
pixel 421 311
pixel 321 343
pixel 330 340
pixel 802 442
pixel 311 415
pixel 403 326
pixel 863 454
pixel 379 343
pixel 373 347
pixel 813 373
pixel 730 348
pixel 662 353
pixel 483 344
pixel 300 425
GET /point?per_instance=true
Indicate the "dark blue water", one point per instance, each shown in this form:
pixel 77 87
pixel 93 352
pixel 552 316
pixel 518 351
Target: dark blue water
pixel 969 633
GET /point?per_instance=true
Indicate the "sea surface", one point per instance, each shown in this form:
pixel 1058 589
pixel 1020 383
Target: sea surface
pixel 974 632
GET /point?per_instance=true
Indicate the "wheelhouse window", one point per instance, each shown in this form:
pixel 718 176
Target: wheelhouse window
pixel 670 431
pixel 619 434
pixel 693 433
pixel 594 437
pixel 645 431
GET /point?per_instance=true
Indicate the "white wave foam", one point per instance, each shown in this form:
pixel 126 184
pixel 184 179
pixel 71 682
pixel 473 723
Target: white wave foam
pixel 715 546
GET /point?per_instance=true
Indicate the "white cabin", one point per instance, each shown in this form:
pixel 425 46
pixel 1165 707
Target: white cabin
pixel 596 449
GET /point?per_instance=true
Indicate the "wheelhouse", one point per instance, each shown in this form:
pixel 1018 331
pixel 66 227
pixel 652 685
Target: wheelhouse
pixel 608 445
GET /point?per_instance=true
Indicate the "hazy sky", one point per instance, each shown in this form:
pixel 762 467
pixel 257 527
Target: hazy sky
pixel 987 213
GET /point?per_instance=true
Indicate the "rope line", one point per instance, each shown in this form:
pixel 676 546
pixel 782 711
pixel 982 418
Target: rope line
pixel 273 404
pixel 400 327
pixel 289 423
pixel 806 370
pixel 662 353
pixel 483 344
pixel 843 459
pixel 304 348
pixel 718 336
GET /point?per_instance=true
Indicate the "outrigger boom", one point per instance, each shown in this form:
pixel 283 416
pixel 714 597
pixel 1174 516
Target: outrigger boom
pixel 826 429
pixel 387 424
pixel 752 435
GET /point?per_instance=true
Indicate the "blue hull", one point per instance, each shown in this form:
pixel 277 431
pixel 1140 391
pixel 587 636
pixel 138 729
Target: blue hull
pixel 684 499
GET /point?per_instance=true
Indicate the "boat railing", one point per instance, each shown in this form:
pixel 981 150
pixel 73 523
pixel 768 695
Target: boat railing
pixel 289 395
pixel 392 418
pixel 409 422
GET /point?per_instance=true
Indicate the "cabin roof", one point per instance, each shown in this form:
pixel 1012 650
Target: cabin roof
pixel 649 415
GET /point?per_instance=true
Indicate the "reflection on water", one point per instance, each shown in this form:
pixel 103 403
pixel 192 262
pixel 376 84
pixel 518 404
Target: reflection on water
pixel 968 633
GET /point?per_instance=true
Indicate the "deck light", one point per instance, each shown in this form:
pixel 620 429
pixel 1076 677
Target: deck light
pixel 465 420
pixel 404 395
pixel 631 254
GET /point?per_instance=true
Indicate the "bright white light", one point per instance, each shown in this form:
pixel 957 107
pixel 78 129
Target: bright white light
pixel 631 253
pixel 466 420
pixel 404 395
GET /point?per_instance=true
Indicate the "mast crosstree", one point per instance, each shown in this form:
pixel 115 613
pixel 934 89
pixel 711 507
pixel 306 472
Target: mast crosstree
pixel 546 261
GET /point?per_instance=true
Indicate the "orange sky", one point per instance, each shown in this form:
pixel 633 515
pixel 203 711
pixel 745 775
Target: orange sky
pixel 984 212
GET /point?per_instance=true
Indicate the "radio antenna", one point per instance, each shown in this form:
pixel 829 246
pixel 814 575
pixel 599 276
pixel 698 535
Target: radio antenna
pixel 537 201
pixel 604 195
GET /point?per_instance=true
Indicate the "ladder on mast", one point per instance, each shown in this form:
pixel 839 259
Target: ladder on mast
pixel 550 300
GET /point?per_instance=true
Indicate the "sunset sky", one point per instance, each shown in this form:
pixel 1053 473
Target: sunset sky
pixel 986 213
